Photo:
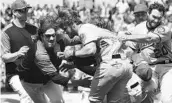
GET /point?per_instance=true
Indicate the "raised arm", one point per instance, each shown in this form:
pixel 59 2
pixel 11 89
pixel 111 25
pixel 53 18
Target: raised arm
pixel 160 34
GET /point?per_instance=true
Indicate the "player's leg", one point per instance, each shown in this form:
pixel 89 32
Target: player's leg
pixel 53 92
pixel 15 83
pixel 35 91
pixel 105 78
pixel 119 92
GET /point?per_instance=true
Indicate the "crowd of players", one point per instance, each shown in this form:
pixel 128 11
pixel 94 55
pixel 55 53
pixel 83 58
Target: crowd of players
pixel 131 65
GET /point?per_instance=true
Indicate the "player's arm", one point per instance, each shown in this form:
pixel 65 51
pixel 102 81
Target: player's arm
pixel 89 45
pixel 7 56
pixel 139 37
pixel 160 35
pixel 87 50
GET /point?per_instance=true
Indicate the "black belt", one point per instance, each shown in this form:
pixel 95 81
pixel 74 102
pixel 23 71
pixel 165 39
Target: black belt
pixel 134 85
pixel 116 56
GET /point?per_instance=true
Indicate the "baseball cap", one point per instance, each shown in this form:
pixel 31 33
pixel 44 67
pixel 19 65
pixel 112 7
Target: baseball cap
pixel 19 4
pixel 144 72
pixel 140 8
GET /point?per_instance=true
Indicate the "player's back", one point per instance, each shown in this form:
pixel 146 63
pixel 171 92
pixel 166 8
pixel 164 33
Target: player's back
pixel 94 31
pixel 106 41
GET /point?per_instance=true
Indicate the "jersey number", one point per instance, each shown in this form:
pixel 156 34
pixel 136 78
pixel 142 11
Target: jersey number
pixel 160 52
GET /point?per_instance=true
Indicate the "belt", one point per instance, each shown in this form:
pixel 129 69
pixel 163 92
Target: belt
pixel 116 56
pixel 134 85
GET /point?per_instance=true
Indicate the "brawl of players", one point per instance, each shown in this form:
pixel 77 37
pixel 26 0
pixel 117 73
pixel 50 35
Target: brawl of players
pixel 133 66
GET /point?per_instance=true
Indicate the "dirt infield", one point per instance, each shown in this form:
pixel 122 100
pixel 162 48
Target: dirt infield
pixel 10 97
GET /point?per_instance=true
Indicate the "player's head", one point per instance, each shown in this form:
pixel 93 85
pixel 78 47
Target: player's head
pixel 47 32
pixel 20 9
pixel 68 20
pixel 155 15
pixel 99 21
pixel 140 12
pixel 144 72
pixel 73 28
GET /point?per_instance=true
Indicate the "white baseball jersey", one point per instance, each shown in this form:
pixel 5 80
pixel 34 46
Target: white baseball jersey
pixel 106 41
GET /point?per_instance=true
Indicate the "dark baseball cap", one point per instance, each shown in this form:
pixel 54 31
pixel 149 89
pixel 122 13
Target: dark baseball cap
pixel 19 4
pixel 140 8
pixel 144 72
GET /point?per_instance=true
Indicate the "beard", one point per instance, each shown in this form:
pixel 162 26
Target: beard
pixel 50 45
pixel 153 24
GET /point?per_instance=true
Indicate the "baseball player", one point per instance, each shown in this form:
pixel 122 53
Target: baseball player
pixel 88 66
pixel 155 43
pixel 112 72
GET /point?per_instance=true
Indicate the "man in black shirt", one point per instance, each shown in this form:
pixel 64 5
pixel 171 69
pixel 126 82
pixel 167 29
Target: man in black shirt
pixel 16 43
pixel 19 47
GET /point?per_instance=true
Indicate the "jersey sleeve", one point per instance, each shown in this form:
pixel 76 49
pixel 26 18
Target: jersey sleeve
pixel 163 32
pixel 5 40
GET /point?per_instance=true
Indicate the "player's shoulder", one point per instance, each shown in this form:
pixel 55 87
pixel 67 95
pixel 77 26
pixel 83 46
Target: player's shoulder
pixel 141 27
pixel 163 29
pixel 7 27
pixel 142 24
pixel 88 25
pixel 85 28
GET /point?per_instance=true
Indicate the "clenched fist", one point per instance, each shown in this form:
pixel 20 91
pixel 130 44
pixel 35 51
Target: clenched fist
pixel 22 51
pixel 69 52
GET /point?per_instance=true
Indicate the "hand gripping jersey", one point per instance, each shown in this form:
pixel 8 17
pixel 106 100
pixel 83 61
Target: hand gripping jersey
pixel 107 42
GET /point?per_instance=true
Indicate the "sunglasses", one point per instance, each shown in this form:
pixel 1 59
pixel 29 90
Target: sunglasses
pixel 22 10
pixel 48 35
pixel 140 14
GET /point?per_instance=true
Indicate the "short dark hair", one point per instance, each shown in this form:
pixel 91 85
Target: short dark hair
pixel 100 22
pixel 75 17
pixel 64 18
pixel 46 23
pixel 157 6
pixel 67 17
